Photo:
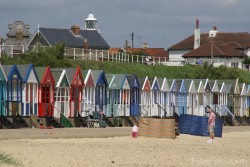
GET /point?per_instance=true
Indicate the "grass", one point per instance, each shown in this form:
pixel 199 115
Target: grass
pixel 141 70
pixel 7 159
pixel 161 71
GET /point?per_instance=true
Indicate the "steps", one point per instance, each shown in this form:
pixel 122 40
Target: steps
pixel 108 122
pixel 19 122
pixel 65 121
pixel 35 121
pixel 5 123
pixel 51 121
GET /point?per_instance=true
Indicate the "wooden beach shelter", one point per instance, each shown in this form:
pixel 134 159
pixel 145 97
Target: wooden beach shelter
pixel 222 98
pixel 111 97
pixel 236 98
pixel 248 101
pixel 134 95
pixel 46 92
pixel 208 92
pixel 155 98
pixel 174 90
pixel 192 104
pixel 3 91
pixel 119 95
pixel 14 90
pixel 230 92
pixel 201 93
pixel 164 96
pixel 181 100
pixel 88 97
pixel 145 89
pixel 101 85
pixel 61 92
pixel 243 99
pixel 76 89
pixel 30 89
pixel 215 93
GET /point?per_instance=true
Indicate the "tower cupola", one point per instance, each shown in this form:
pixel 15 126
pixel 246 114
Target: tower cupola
pixel 91 22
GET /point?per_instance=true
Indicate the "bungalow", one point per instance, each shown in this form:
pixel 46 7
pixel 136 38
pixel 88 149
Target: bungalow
pixel 215 47
pixel 88 38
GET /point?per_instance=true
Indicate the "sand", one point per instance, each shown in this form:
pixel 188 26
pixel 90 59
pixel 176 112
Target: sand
pixel 112 147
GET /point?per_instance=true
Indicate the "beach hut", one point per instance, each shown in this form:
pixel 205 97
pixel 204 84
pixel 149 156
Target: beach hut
pixel 101 85
pixel 61 92
pixel 192 103
pixel 181 99
pixel 119 95
pixel 14 90
pixel 111 97
pixel 134 95
pixel 222 98
pixel 46 92
pixel 88 91
pixel 200 96
pixel 3 87
pixel 155 98
pixel 208 93
pixel 174 90
pixel 145 89
pixel 248 101
pixel 215 92
pixel 30 89
pixel 76 88
pixel 234 96
pixel 164 97
pixel 243 99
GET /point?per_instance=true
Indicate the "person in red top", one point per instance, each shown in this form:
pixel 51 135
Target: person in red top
pixel 211 125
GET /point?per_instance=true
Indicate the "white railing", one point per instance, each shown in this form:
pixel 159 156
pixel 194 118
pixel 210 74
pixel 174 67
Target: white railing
pixel 106 55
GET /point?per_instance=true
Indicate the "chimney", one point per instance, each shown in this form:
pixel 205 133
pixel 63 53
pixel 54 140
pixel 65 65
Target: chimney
pixel 75 29
pixel 145 45
pixel 85 45
pixel 197 35
pixel 213 32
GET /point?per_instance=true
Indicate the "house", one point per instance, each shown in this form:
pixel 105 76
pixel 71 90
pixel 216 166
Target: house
pixel 17 37
pixel 75 37
pixel 219 48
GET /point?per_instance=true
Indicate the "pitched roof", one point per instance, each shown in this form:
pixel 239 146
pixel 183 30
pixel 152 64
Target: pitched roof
pixel 55 35
pixel 217 49
pixel 242 38
pixel 18 24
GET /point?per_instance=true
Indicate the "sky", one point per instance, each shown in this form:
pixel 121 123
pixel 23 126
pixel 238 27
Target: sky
pixel 160 23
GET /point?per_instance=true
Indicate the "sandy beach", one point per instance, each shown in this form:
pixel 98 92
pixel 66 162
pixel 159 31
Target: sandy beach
pixel 111 147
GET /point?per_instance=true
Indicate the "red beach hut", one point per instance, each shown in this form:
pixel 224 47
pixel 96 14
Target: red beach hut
pixel 46 92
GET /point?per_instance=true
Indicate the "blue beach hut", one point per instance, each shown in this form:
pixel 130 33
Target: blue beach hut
pixel 3 91
pixel 134 95
pixel 181 100
pixel 101 85
pixel 14 90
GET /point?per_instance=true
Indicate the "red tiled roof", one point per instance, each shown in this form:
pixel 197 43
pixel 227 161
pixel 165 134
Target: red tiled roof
pixel 242 38
pixel 220 49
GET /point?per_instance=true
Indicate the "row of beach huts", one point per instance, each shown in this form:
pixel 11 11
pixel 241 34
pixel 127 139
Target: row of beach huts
pixel 41 92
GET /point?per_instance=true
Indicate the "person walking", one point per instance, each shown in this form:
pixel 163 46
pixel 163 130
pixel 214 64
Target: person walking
pixel 211 125
pixel 134 131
